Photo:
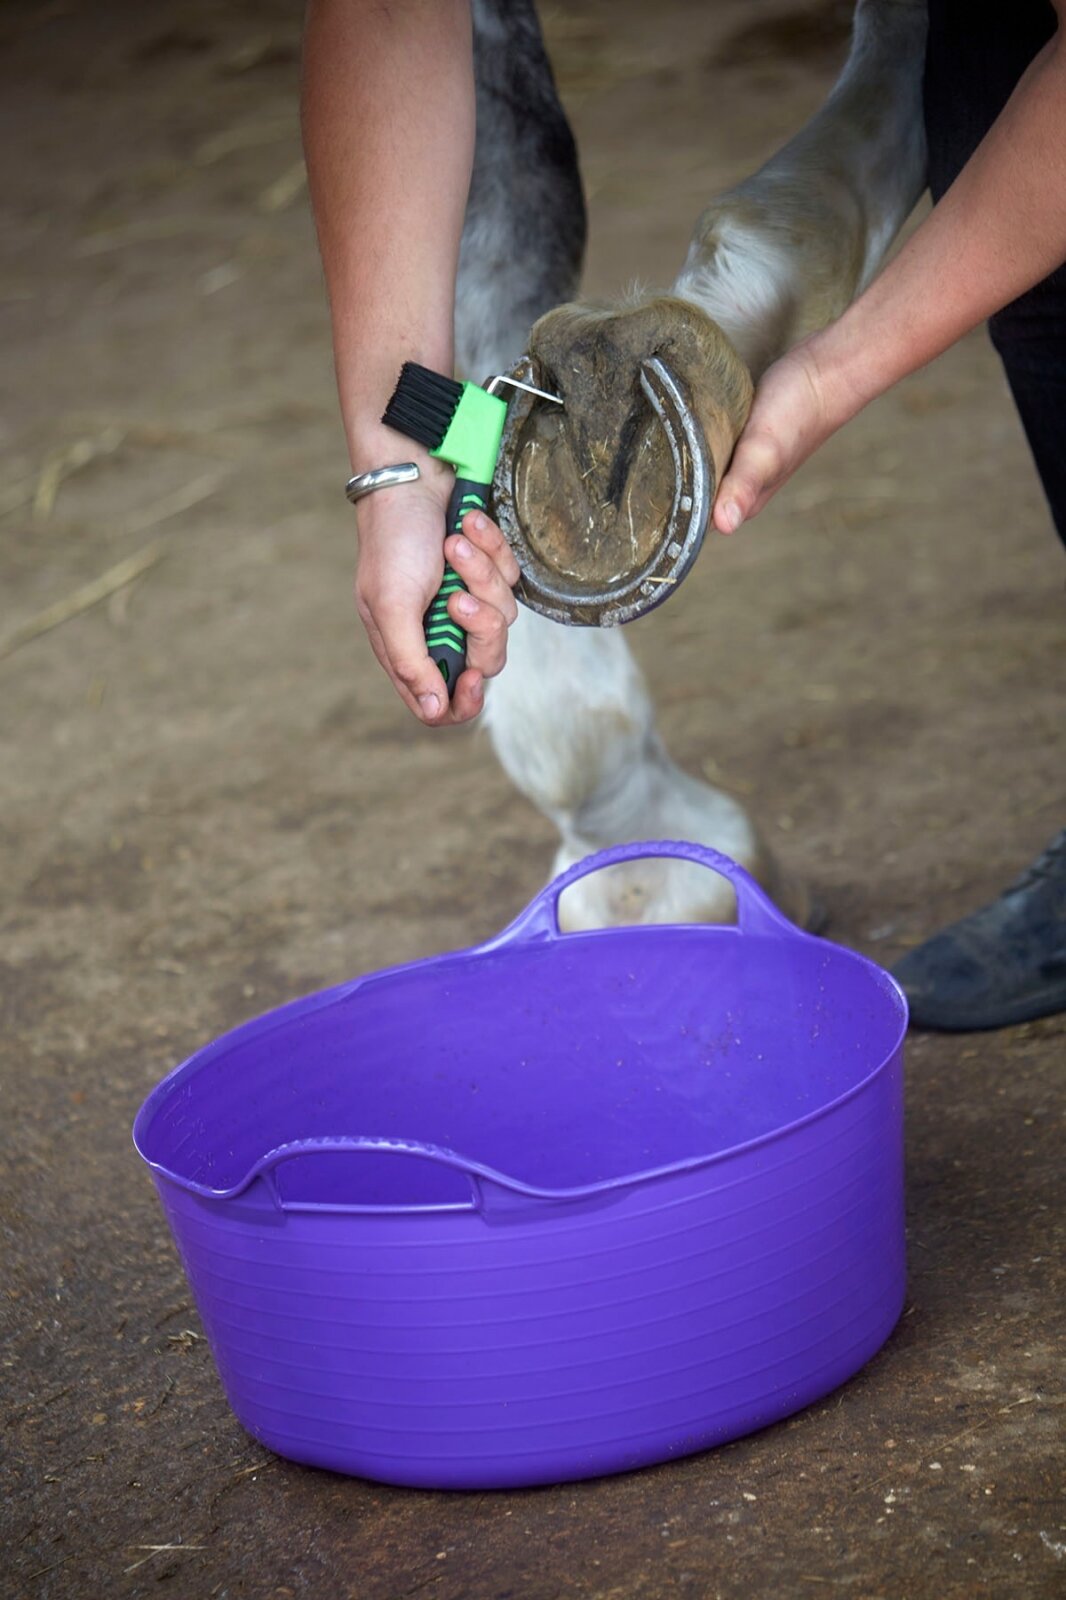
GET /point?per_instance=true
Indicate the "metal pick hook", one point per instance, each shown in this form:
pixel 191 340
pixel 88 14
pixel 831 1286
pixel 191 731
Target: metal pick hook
pixel 542 394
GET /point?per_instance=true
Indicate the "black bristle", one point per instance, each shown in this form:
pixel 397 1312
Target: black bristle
pixel 423 404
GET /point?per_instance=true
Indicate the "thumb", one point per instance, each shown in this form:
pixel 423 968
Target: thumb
pixel 753 475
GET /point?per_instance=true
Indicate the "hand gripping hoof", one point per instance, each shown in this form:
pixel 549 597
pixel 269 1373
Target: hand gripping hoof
pixel 586 570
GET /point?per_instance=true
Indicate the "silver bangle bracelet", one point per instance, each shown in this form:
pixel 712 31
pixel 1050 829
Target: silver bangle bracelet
pixel 381 478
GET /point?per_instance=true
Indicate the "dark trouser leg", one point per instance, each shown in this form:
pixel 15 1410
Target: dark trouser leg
pixel 1005 963
pixel 977 50
pixel 1037 379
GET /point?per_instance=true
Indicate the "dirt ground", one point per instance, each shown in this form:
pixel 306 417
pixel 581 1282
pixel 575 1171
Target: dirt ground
pixel 211 802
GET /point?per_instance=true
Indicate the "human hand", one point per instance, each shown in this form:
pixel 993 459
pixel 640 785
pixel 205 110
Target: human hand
pixel 401 562
pixel 795 410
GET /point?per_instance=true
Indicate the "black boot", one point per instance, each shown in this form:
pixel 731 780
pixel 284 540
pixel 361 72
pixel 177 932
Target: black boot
pixel 1003 964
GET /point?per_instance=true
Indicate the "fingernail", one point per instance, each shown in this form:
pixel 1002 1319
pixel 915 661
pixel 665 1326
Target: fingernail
pixel 731 515
pixel 466 604
pixel 480 521
pixel 429 703
pixel 462 548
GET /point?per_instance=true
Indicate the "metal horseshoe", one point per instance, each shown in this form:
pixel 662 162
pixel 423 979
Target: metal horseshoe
pixel 633 594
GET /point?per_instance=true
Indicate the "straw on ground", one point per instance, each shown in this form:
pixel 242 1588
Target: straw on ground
pixel 83 599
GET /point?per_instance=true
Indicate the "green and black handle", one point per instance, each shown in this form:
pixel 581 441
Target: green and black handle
pixel 461 424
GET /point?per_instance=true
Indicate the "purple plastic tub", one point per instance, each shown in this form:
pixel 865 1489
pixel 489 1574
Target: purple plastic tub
pixel 558 1206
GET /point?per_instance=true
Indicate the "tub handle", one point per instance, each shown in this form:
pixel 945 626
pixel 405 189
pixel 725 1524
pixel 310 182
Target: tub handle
pixel 756 912
pixel 488 1190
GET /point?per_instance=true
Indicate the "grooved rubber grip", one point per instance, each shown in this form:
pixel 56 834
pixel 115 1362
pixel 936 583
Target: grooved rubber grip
pixel 445 639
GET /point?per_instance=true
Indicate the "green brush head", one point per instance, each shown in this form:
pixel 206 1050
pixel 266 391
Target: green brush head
pixel 458 422
pixel 472 442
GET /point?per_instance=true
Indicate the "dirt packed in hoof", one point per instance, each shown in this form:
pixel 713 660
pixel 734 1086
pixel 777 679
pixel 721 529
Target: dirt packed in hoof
pixel 595 480
pixel 592 543
pixel 211 802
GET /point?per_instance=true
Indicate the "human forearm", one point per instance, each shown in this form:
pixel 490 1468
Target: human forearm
pixel 388 117
pixel 999 229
